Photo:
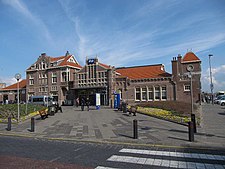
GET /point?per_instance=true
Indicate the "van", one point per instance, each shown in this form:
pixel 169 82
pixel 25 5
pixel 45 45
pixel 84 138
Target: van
pixel 42 100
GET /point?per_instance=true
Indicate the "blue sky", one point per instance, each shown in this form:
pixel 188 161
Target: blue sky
pixel 119 32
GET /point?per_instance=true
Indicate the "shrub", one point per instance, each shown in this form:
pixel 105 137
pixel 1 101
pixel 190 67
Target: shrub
pixel 12 109
pixel 178 108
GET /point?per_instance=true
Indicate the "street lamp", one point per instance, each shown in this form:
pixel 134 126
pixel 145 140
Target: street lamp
pixel 190 69
pixel 210 73
pixel 18 77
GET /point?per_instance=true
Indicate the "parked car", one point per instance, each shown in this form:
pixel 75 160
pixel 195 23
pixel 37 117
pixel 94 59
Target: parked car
pixel 218 98
pixel 222 101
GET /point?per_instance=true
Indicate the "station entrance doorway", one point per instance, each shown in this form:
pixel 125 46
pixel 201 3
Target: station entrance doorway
pixel 91 94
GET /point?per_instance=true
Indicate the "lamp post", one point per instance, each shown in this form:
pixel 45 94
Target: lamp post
pixel 190 68
pixel 18 77
pixel 210 73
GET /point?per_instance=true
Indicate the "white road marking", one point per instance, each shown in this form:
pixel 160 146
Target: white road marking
pixel 174 154
pixel 161 162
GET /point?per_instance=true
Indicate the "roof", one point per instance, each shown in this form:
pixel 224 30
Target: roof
pixel 66 63
pixel 57 58
pixel 22 84
pixel 143 72
pixel 104 65
pixel 190 57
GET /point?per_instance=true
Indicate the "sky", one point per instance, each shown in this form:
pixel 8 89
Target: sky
pixel 119 32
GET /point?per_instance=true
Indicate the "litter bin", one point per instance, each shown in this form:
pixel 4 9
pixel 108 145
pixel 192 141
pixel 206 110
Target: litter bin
pixel 51 110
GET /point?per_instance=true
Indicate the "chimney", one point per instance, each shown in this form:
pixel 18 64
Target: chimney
pixel 67 53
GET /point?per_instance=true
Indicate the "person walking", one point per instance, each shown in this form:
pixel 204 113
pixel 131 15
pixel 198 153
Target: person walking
pixel 82 104
pixel 88 104
pixel 77 101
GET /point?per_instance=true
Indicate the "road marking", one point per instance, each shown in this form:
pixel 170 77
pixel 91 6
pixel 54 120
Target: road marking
pixel 161 162
pixel 101 167
pixel 55 159
pixel 174 154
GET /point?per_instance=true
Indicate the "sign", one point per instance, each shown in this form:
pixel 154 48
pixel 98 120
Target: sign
pixel 91 61
pixel 98 100
pixel 116 101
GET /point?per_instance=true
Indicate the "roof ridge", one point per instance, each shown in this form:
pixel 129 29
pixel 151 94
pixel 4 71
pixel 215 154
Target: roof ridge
pixel 160 64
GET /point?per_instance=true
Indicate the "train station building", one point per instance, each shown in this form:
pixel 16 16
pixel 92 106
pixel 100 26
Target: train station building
pixel 65 79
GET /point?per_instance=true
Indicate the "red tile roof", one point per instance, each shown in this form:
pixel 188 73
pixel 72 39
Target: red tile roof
pixel 104 65
pixel 57 58
pixel 66 63
pixel 22 84
pixel 190 57
pixel 144 72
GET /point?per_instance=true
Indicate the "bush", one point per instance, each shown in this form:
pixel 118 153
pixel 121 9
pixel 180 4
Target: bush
pixel 178 108
pixel 12 110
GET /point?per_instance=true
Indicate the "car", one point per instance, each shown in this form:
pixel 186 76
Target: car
pixel 222 101
pixel 218 98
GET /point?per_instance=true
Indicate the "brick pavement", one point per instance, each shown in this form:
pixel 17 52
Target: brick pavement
pixel 110 125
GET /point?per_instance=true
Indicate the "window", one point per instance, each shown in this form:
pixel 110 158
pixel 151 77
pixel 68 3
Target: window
pixel 137 94
pixel 31 81
pixel 187 88
pixel 65 76
pixel 150 93
pixel 157 92
pixel 54 77
pixel 164 93
pixel 54 88
pixel 144 94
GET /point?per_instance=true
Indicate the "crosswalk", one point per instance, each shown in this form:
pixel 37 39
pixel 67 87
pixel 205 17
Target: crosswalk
pixel 167 159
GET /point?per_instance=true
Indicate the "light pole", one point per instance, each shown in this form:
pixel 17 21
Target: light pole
pixel 210 73
pixel 18 77
pixel 190 68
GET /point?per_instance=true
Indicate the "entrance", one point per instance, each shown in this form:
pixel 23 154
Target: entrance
pixel 91 94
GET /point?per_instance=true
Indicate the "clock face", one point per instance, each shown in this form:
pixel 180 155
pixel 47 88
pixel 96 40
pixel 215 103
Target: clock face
pixel 91 61
pixel 18 76
pixel 190 68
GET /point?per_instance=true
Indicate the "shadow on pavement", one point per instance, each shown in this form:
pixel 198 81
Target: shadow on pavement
pixel 123 135
pixel 176 138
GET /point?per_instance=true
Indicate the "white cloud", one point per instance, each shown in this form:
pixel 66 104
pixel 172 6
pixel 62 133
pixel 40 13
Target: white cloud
pixel 22 8
pixel 218 78
pixel 7 80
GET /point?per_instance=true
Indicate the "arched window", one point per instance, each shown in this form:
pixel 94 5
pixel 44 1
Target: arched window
pixel 150 93
pixel 144 94
pixel 157 93
pixel 164 93
pixel 137 94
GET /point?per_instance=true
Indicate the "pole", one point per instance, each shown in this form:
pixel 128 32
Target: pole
pixel 18 101
pixel 192 108
pixel 191 131
pixel 135 129
pixel 32 124
pixel 210 73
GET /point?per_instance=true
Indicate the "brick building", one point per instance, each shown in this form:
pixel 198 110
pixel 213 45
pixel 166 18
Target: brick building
pixel 65 79
pixel 9 94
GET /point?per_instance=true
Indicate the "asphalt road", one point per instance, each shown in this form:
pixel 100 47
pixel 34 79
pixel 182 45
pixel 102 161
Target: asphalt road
pixel 19 152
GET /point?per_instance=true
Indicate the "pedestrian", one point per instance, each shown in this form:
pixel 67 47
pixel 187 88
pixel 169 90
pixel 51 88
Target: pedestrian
pixel 88 103
pixel 82 104
pixel 77 101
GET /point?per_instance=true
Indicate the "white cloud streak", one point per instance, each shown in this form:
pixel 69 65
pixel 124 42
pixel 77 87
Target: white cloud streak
pixel 19 6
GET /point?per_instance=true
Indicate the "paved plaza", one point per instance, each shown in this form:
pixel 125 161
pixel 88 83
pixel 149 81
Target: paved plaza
pixel 109 125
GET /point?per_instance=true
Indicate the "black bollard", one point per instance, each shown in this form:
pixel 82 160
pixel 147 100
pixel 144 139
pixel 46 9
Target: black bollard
pixel 135 128
pixel 194 122
pixel 32 124
pixel 9 124
pixel 191 131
